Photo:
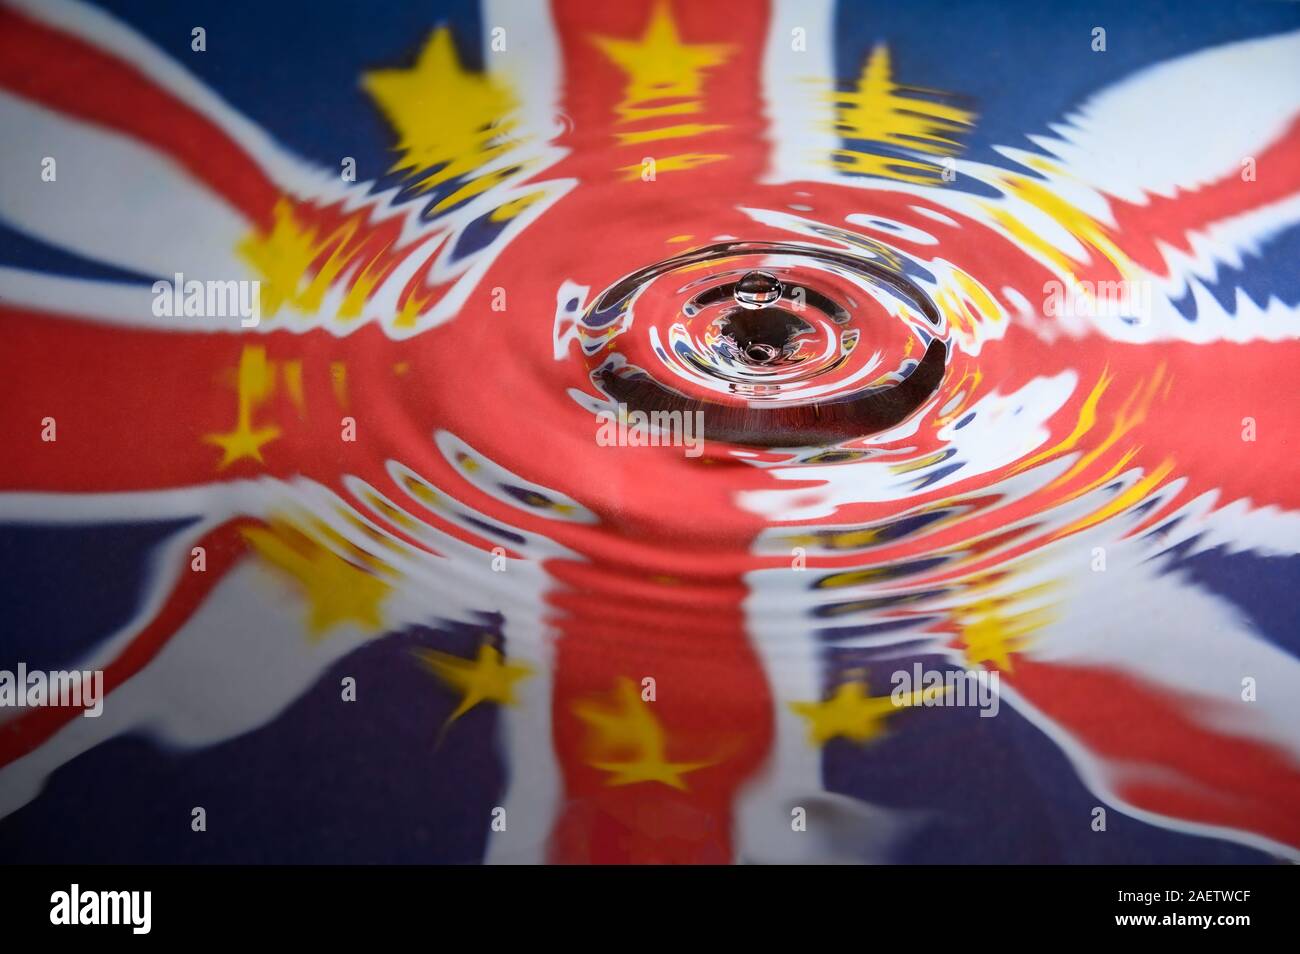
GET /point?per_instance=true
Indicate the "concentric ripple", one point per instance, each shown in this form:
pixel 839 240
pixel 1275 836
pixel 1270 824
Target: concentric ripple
pixel 777 343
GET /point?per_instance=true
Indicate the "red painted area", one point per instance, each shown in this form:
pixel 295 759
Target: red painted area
pixel 688 634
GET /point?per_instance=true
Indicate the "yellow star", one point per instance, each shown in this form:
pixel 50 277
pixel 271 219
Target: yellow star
pixel 484 679
pixel 626 726
pixel 447 119
pixel 992 635
pixel 336 590
pixel 880 110
pixel 852 714
pixel 243 441
pixel 255 382
pixel 659 65
pixel 648 769
pixel 283 255
pixel 300 262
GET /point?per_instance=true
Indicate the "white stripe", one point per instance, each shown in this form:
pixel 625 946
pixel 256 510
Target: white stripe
pixel 238 663
pixel 1099 777
pixel 532 65
pixel 102 30
pixel 1183 123
pixel 839 829
pixel 1165 630
pixel 796 84
pixel 533 799
pixel 114 200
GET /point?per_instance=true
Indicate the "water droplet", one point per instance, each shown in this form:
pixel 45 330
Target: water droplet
pixel 757 289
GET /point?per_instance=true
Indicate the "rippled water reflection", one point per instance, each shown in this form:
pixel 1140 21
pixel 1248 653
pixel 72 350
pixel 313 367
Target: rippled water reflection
pixel 955 416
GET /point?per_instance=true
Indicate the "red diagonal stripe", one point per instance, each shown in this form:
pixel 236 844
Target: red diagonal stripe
pixel 70 76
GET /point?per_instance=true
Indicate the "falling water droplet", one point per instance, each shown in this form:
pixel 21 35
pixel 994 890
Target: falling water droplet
pixel 757 289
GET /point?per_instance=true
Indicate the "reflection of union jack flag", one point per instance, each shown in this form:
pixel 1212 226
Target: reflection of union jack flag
pixel 359 576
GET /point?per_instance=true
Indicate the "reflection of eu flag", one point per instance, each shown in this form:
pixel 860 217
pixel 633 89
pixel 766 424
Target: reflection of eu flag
pixel 370 647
